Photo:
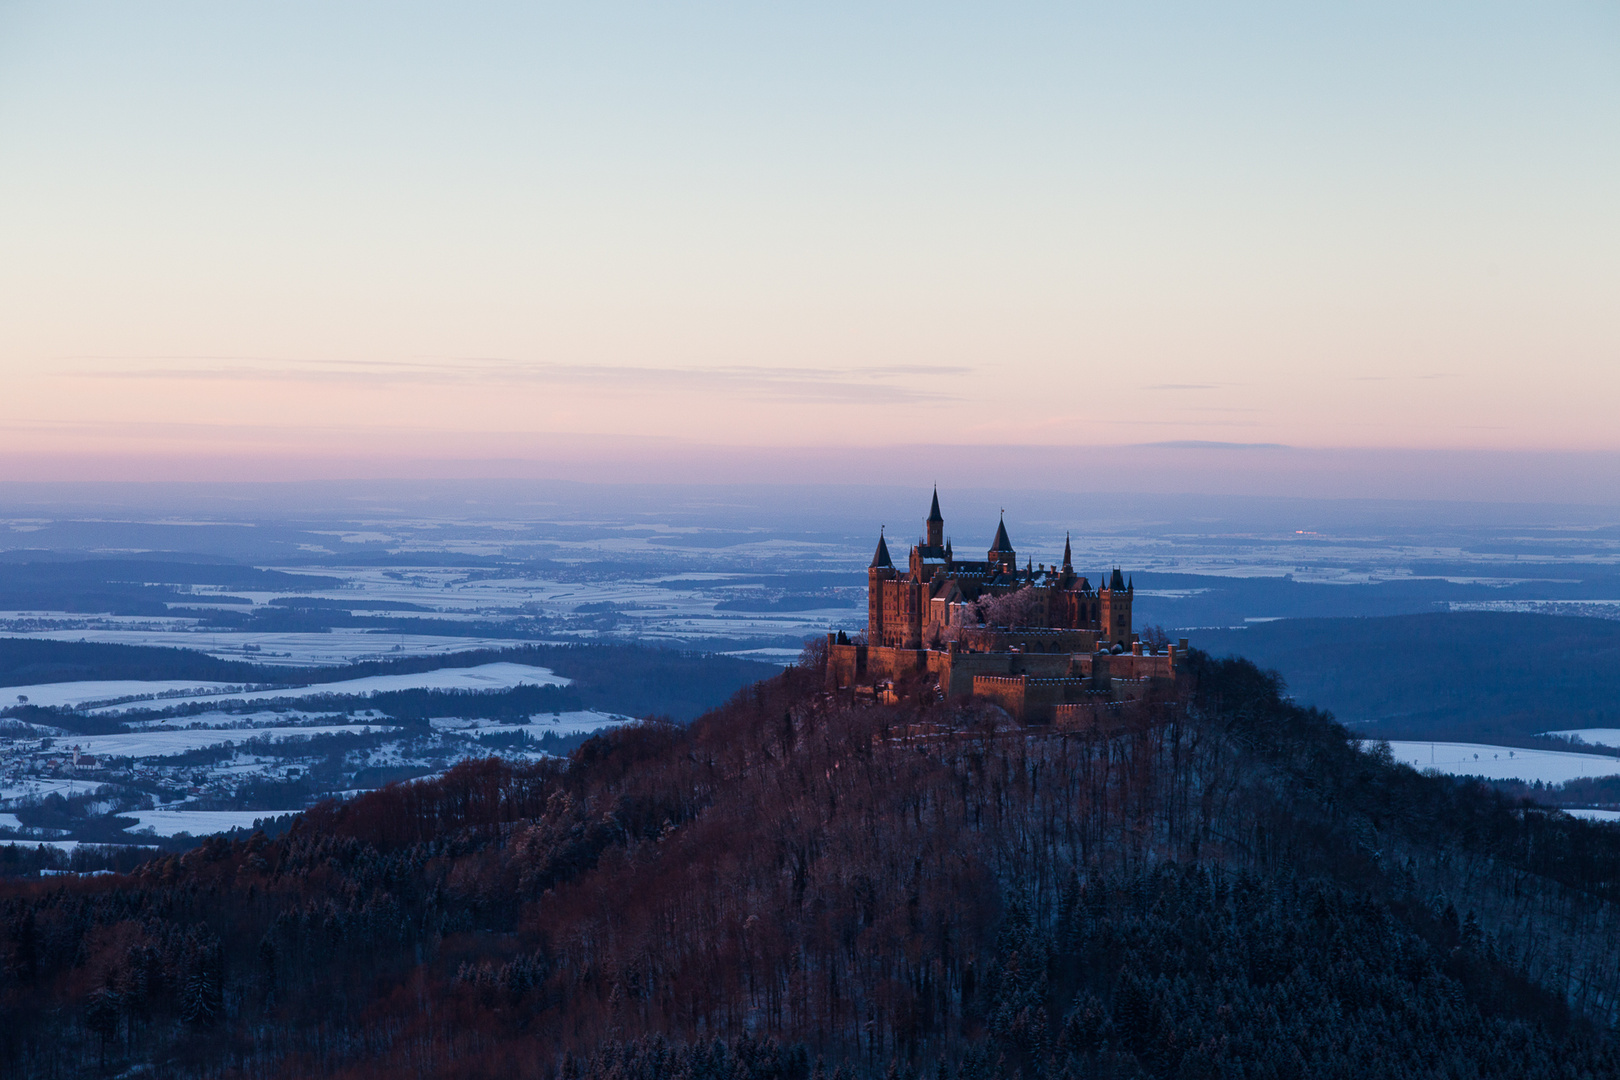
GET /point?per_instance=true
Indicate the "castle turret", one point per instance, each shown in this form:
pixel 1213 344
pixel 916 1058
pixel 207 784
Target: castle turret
pixel 935 524
pixel 1115 601
pixel 1068 560
pixel 880 570
pixel 880 557
pixel 1002 557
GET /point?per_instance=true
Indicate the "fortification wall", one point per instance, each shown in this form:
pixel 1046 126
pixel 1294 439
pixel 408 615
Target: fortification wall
pixel 1059 678
pixel 1033 699
pixel 1029 639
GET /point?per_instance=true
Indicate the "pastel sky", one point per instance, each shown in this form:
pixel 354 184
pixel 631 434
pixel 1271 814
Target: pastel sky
pixel 388 231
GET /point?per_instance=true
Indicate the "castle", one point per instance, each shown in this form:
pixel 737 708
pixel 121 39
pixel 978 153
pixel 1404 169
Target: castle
pixel 1041 641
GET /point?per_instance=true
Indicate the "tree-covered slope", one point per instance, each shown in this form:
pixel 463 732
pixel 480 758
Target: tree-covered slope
pixel 1218 884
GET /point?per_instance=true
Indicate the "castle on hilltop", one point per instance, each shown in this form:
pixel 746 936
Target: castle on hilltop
pixel 1042 640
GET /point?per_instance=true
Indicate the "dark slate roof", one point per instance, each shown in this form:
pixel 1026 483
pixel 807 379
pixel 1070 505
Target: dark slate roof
pixel 933 514
pixel 1117 581
pixel 1001 544
pixel 1067 558
pixel 881 556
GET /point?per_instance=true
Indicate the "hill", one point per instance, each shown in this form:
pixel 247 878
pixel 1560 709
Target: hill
pixel 1219 884
pixel 628 679
pixel 1464 675
pixel 1193 603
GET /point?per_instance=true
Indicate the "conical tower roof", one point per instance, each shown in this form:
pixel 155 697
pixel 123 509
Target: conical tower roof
pixel 1068 559
pixel 1001 544
pixel 880 558
pixel 933 513
pixel 1117 581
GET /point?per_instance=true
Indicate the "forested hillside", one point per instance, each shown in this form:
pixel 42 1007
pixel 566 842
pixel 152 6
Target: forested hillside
pixel 1217 884
pixel 1485 675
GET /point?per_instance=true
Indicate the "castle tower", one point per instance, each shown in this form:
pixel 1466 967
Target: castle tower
pixel 881 570
pixel 1116 608
pixel 1002 557
pixel 936 524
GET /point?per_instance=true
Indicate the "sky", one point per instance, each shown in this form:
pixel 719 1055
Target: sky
pixel 282 240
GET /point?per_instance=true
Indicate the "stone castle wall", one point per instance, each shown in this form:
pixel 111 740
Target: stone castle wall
pixel 1030 685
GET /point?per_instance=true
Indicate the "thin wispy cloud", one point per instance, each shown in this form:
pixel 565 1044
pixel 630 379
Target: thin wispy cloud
pixel 826 384
pixel 1209 444
pixel 1406 378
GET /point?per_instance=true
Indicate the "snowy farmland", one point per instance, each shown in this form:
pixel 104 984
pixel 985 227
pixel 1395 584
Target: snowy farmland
pixel 715 608
pixel 563 723
pixel 1504 762
pixel 330 648
pixel 1594 815
pixel 197 822
pixel 158 742
pixel 484 677
pixel 78 695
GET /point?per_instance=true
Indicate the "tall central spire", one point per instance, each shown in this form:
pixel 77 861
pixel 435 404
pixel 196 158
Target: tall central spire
pixel 935 523
pixel 1068 560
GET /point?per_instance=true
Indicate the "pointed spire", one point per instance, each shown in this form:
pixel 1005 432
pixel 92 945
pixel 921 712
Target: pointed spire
pixel 880 558
pixel 1116 580
pixel 1002 544
pixel 1068 560
pixel 933 513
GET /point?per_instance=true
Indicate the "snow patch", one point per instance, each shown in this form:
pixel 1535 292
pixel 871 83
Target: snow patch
pixel 73 694
pixel 1502 762
pixel 1593 815
pixel 145 744
pixel 485 677
pixel 197 822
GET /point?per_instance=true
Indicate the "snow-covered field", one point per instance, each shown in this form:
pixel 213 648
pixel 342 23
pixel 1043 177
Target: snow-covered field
pixel 37 787
pixel 70 846
pixel 197 822
pixel 160 743
pixel 162 693
pixel 1595 815
pixel 484 677
pixel 264 718
pixel 567 723
pixel 1592 736
pixel 74 694
pixel 341 645
pixel 768 656
pixel 675 608
pixel 1504 762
